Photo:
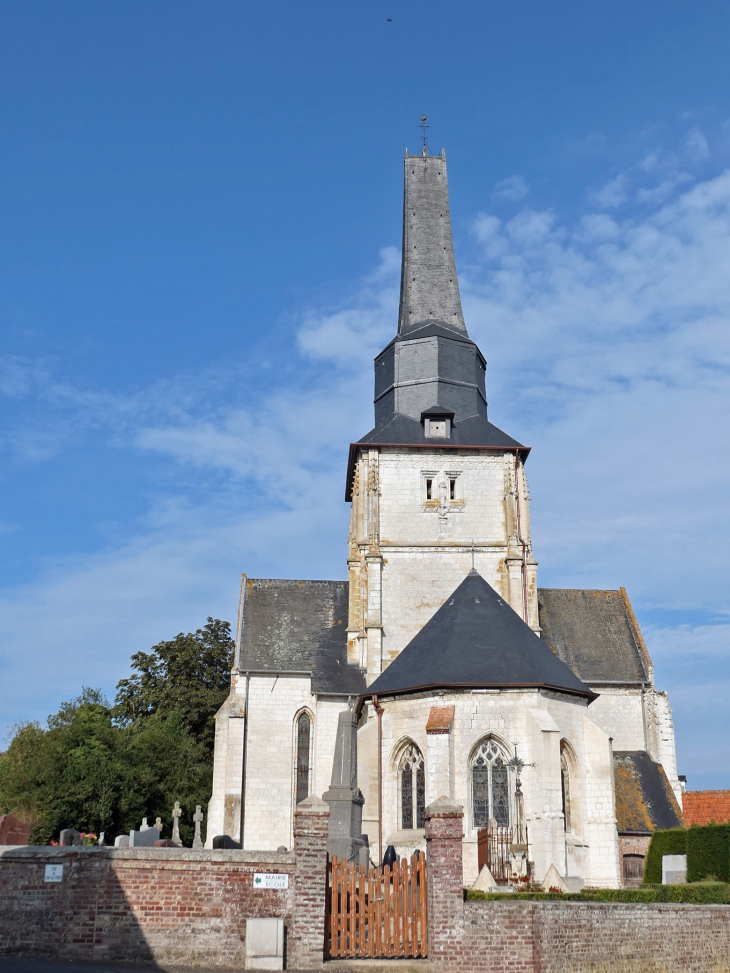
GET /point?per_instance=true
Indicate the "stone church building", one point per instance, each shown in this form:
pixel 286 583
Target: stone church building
pixel 534 708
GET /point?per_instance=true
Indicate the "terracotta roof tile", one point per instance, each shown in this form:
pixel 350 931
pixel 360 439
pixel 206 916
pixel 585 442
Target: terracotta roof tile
pixel 705 807
pixel 440 719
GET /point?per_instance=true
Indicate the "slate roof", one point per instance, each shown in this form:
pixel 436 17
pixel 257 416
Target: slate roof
pixel 400 430
pixel 476 640
pixel 299 626
pixel 644 800
pixel 595 634
pixel 705 807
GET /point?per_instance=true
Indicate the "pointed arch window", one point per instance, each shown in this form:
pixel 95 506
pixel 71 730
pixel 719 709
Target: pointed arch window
pixel 412 780
pixel 304 739
pixel 565 786
pixel 490 786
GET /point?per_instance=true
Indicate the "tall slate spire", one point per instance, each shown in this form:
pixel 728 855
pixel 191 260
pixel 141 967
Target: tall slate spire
pixel 430 387
pixel 429 290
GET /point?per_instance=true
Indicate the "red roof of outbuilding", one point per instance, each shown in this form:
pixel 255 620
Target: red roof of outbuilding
pixel 704 807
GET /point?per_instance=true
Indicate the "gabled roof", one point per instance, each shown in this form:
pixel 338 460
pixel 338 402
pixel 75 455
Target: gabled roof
pixel 299 626
pixel 706 807
pixel 595 633
pixel 644 800
pixel 476 640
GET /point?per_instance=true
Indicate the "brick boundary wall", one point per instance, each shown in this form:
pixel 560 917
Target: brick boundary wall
pixel 166 905
pixel 559 937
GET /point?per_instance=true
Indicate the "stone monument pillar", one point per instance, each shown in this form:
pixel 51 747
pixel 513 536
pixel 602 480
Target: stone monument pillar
pixel 344 797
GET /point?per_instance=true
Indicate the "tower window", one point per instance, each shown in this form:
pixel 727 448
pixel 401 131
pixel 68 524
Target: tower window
pixel 429 489
pixel 452 489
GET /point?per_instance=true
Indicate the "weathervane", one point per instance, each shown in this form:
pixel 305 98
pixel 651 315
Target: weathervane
pixel 424 138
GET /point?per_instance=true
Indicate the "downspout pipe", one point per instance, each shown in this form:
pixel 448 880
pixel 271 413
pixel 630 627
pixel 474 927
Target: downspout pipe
pixel 245 751
pixel 379 710
pixel 520 538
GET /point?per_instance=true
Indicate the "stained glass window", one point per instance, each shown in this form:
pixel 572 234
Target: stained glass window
pixel 304 732
pixel 407 796
pixel 490 786
pixel 412 789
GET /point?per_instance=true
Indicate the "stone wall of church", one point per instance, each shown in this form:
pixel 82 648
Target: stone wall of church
pixel 619 712
pixel 274 706
pixel 408 552
pixel 538 722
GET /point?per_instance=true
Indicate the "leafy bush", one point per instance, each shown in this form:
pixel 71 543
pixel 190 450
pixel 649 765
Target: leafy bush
pixel 700 893
pixel 670 842
pixel 708 852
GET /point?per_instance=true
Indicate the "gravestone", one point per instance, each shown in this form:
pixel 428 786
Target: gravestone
pixel 674 869
pixel 102 839
pixel 121 841
pixel 197 818
pixel 158 824
pixel 12 831
pixel 225 841
pixel 345 799
pixel 145 837
pixel 176 812
pixel 70 837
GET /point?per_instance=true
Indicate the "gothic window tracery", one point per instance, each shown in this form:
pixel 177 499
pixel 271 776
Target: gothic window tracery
pixel 412 780
pixel 490 786
pixel 304 738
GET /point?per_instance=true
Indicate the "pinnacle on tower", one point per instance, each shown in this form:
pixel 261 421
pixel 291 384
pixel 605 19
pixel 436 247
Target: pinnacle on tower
pixel 429 285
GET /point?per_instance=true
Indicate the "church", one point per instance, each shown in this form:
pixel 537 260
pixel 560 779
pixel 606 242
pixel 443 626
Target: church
pixel 533 708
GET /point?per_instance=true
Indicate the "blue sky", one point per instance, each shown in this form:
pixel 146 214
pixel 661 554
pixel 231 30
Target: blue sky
pixel 201 211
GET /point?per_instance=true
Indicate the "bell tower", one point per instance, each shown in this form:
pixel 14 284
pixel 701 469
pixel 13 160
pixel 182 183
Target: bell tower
pixel 435 487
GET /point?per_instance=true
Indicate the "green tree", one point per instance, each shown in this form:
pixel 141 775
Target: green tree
pixel 189 674
pixel 102 768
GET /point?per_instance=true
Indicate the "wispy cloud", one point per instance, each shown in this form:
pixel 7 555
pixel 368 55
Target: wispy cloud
pixel 513 188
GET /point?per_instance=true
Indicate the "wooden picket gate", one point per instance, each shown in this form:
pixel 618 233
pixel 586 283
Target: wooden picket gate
pixel 376 913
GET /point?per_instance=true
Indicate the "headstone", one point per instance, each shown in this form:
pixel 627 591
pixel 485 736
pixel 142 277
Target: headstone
pixel 144 826
pixel 197 818
pixel 165 843
pixel 176 812
pixel 158 824
pixel 674 869
pixel 12 831
pixel 390 857
pixel 485 881
pixel 554 880
pixel 121 841
pixel 144 839
pixel 225 841
pixel 102 839
pixel 70 837
pixel 345 799
pixel 264 944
